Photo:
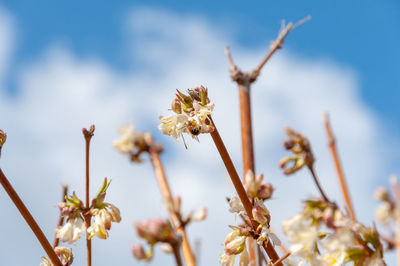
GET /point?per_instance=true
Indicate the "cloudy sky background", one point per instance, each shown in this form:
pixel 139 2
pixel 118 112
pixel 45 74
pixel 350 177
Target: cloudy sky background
pixel 59 74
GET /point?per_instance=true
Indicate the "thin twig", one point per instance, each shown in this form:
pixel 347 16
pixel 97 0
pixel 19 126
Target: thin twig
pixel 239 187
pixel 61 218
pixel 282 258
pixel 342 180
pixel 167 195
pixel 88 134
pixel 29 219
pixel 177 254
pixel 318 184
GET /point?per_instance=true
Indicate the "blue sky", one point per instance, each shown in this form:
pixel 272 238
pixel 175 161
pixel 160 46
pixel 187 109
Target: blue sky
pixel 74 63
pixel 361 34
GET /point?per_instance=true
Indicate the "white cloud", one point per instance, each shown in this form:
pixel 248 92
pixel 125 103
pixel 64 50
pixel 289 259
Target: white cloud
pixel 60 93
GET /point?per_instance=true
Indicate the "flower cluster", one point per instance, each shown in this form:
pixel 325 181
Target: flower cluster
pixel 387 211
pixel 155 231
pixel 235 242
pixel 322 235
pixel 65 255
pixel 104 213
pixel 192 114
pixel 299 145
pixel 255 188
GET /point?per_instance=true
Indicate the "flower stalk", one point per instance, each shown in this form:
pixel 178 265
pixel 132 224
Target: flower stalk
pixel 339 170
pixel 88 134
pixel 29 219
pixel 61 218
pixel 167 195
pixel 240 189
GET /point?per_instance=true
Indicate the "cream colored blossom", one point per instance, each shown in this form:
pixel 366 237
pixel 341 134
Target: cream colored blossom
pixel 98 227
pixel 383 213
pixel 302 236
pixel 267 235
pixel 173 125
pixel 336 246
pixel 126 142
pixel 236 205
pixel 227 260
pixel 71 231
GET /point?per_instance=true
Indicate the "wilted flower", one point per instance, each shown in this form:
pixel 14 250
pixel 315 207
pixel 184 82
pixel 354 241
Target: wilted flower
pixel 299 145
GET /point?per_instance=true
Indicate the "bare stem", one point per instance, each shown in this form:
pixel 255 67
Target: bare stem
pixel 239 188
pixel 282 259
pixel 29 219
pixel 342 180
pixel 167 195
pixel 61 218
pixel 177 254
pixel 88 134
pixel 318 184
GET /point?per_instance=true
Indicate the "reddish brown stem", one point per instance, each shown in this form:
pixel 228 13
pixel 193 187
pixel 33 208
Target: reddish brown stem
pixel 61 218
pixel 316 181
pixel 282 259
pixel 88 134
pixel 167 195
pixel 239 188
pixel 29 219
pixel 335 156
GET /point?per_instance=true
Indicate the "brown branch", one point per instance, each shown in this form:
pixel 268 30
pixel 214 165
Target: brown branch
pixel 177 254
pixel 335 156
pixel 167 195
pixel 282 259
pixel 315 178
pixel 239 187
pixel 88 134
pixel 29 219
pixel 61 218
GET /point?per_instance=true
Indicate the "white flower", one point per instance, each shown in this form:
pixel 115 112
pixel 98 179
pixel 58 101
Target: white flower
pixel 235 242
pixel 200 215
pixel 336 245
pixel 98 226
pixel 383 213
pixel 71 231
pixel 236 205
pixel 244 258
pixel 266 234
pixel 201 116
pixel 252 184
pixel 46 262
pixel 173 125
pixel 302 236
pixel 126 142
pixel 227 260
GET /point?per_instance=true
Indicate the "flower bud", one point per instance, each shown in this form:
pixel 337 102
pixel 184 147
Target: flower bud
pixel 260 212
pixel 234 243
pixel 176 106
pixel 235 205
pixel 166 248
pixel 265 191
